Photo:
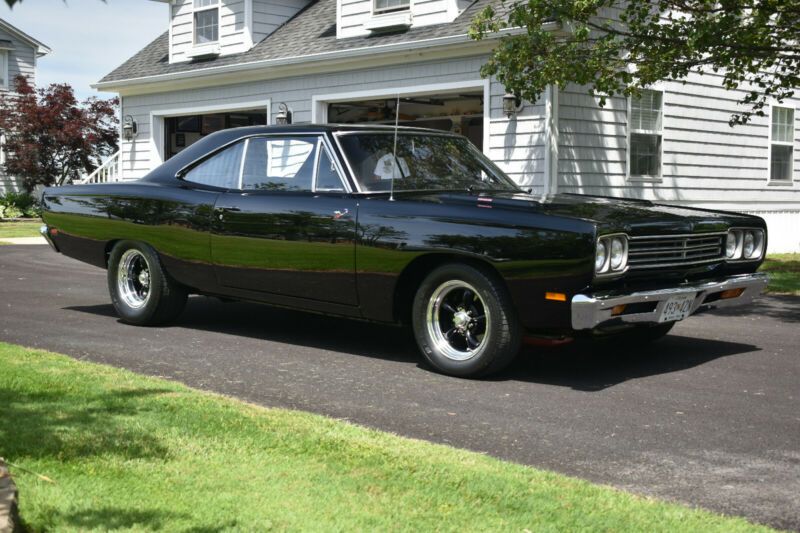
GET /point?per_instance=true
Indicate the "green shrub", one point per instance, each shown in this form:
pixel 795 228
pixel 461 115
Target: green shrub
pixel 19 204
pixel 11 211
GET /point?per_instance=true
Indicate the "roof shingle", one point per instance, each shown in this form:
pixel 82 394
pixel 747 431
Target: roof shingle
pixel 312 31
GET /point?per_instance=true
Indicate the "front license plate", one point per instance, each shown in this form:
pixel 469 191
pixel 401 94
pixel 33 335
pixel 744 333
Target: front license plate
pixel 677 308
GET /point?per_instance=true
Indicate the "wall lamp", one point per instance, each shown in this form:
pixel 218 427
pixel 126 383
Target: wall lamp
pixel 284 115
pixel 129 128
pixel 511 104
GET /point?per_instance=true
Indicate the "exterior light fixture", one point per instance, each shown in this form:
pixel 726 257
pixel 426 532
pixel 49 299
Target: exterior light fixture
pixel 511 104
pixel 284 115
pixel 129 128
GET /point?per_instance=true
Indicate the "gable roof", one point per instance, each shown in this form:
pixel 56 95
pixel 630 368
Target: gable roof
pixel 41 48
pixel 311 34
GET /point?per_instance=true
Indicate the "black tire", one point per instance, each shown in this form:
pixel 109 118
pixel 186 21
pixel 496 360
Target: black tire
pixel 499 332
pixel 164 299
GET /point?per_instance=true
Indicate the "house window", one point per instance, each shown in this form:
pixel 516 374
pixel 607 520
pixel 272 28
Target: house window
pixel 387 6
pixel 3 69
pixel 645 135
pixel 781 144
pixel 206 21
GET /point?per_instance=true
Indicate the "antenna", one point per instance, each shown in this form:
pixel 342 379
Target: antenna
pixel 395 163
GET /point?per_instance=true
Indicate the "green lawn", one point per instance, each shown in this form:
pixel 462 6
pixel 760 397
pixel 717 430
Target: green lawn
pixel 784 273
pixel 20 229
pixel 136 453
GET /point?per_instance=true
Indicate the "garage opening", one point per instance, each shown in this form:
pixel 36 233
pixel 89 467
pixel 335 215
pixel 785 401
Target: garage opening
pixel 183 131
pixel 459 112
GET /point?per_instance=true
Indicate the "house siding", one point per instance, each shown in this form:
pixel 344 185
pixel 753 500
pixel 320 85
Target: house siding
pixel 706 163
pixel 516 145
pixel 21 61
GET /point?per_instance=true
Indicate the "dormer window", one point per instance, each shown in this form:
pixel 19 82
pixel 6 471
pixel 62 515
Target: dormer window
pixel 206 21
pixel 390 6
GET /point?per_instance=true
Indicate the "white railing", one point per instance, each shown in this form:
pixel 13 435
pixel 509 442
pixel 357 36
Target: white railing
pixel 105 173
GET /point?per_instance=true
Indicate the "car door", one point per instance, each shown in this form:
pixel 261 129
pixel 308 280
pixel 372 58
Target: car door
pixel 289 228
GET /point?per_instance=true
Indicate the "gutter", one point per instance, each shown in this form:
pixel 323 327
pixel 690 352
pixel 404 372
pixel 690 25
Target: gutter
pixel 334 55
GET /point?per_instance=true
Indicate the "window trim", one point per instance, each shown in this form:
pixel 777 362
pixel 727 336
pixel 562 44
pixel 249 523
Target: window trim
pixel 629 131
pixel 196 10
pixel 791 144
pixel 389 11
pixel 322 138
pixel 321 145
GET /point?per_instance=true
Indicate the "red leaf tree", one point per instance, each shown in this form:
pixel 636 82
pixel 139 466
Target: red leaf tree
pixel 51 138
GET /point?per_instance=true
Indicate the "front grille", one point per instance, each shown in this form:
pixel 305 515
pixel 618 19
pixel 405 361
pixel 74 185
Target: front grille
pixel 675 250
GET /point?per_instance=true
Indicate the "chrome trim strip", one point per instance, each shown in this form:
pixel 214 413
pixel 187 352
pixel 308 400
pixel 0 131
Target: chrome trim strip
pixel 592 310
pixel 678 236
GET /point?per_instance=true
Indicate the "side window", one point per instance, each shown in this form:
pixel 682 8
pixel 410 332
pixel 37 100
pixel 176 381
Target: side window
pixel 279 164
pixel 219 170
pixel 327 177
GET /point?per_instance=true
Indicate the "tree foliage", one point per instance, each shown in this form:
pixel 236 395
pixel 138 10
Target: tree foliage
pixel 51 138
pixel 618 47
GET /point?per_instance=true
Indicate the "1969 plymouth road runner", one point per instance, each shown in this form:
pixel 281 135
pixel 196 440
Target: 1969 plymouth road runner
pixel 401 226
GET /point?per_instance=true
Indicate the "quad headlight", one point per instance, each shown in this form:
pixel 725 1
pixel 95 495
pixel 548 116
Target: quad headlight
pixel 744 244
pixel 611 254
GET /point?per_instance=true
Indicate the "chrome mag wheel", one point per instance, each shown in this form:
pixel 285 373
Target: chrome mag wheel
pixel 133 279
pixel 457 320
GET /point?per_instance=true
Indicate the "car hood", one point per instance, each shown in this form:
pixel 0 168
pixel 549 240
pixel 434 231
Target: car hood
pixel 631 216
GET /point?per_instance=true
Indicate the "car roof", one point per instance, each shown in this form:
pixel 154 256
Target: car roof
pixel 333 128
pixel 208 144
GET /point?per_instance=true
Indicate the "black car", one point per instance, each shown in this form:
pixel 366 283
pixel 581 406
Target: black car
pixel 401 226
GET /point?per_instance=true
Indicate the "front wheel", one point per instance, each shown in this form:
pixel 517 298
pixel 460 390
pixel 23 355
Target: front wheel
pixel 464 321
pixel 141 291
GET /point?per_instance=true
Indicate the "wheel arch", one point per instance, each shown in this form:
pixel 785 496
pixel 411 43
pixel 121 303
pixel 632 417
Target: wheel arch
pixel 415 272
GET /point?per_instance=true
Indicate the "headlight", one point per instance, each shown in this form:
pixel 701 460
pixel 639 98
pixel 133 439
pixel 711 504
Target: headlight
pixel 617 253
pixel 600 257
pixel 749 244
pixel 611 254
pixel 731 243
pixel 744 244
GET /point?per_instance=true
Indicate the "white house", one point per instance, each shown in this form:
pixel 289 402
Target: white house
pixel 225 63
pixel 18 55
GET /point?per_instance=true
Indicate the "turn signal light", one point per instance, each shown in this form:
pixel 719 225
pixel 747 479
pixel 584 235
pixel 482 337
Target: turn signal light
pixel 730 293
pixel 556 296
pixel 617 310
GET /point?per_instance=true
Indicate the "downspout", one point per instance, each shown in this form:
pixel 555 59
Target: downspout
pixel 550 184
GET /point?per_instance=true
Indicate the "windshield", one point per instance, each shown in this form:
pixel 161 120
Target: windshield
pixel 424 162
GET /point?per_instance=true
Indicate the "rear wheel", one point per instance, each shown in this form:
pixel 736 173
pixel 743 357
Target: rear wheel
pixel 464 321
pixel 141 291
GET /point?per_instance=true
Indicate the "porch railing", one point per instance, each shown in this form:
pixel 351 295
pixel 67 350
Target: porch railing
pixel 107 172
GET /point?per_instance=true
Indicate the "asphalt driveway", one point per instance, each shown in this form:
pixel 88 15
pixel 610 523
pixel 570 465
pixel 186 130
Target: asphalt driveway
pixel 709 416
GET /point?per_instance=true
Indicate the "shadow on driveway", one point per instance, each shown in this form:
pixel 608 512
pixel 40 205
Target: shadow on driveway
pixel 580 366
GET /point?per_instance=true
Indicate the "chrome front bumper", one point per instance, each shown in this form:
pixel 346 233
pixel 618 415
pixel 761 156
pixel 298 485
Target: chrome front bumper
pixel 592 310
